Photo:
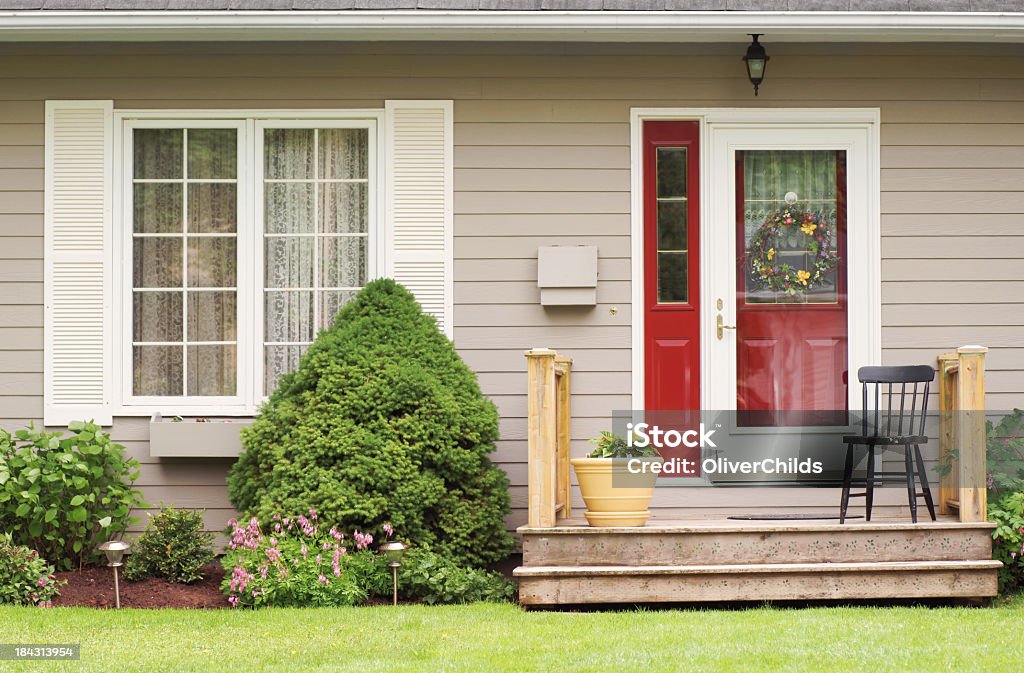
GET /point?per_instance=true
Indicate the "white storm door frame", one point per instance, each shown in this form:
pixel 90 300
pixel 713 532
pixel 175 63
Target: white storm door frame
pixel 718 240
pixel 723 130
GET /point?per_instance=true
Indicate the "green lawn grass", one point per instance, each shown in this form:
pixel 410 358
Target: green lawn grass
pixel 506 639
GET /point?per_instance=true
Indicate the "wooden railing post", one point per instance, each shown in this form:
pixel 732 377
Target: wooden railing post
pixel 971 438
pixel 563 484
pixel 948 485
pixel 541 436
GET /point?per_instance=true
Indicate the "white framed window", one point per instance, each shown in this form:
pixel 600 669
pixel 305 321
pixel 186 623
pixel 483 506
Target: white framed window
pixel 188 281
pixel 240 239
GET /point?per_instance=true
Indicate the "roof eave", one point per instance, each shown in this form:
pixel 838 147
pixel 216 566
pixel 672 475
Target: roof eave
pixel 541 26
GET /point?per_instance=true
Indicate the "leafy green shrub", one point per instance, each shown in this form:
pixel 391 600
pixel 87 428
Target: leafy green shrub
pixel 64 495
pixel 368 570
pixel 436 580
pixel 296 565
pixel 1005 462
pixel 25 577
pixel 381 422
pixel 427 577
pixel 1004 448
pixel 1008 539
pixel 173 547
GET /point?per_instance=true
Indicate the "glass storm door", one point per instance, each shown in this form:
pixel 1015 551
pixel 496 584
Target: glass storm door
pixel 788 208
pixel 791 304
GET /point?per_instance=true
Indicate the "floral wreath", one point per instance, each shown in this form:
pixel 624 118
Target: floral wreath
pixel 817 242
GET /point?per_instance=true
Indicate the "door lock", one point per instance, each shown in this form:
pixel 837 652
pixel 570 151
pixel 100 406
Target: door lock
pixel 721 327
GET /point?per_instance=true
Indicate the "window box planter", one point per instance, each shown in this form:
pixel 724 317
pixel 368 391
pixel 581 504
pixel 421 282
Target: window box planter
pixel 189 439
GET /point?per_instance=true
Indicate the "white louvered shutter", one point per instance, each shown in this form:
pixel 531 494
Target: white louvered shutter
pixel 77 361
pixel 419 202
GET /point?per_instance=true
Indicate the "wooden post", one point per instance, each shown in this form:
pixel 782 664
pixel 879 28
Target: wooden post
pixel 971 433
pixel 541 437
pixel 947 396
pixel 563 487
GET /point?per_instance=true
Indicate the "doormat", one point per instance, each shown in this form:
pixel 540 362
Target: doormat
pixel 787 517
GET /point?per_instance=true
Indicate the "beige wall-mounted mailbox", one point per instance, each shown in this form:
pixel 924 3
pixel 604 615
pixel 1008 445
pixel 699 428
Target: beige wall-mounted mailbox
pixel 567 275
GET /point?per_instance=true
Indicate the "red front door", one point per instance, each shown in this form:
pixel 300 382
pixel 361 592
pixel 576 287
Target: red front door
pixel 671 265
pixel 791 301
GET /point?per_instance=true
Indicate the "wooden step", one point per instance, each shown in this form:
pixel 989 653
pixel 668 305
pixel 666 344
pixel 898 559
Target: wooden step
pixel 571 585
pixel 754 542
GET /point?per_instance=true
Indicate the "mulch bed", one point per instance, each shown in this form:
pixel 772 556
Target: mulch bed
pixel 94 588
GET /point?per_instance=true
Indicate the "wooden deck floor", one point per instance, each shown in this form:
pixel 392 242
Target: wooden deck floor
pixel 707 560
pixel 656 523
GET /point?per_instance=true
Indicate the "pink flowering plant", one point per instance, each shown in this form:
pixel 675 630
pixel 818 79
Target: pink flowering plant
pixel 25 577
pixel 297 562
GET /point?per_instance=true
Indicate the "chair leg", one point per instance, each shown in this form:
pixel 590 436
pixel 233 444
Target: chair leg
pixel 923 476
pixel 869 496
pixel 911 485
pixel 844 502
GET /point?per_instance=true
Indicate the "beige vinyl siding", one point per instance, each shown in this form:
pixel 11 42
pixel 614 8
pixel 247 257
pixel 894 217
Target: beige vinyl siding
pixel 21 262
pixel 542 157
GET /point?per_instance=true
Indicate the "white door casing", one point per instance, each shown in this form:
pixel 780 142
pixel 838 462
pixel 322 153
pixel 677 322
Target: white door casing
pixel 723 131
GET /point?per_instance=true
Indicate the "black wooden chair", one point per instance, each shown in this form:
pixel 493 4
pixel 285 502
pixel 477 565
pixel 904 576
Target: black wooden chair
pixel 884 388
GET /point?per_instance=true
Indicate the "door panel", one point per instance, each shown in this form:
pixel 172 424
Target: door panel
pixel 672 265
pixel 672 368
pixel 823 363
pixel 759 358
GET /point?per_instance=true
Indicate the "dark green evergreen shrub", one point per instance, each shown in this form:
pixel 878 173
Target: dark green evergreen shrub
pixel 173 547
pixel 382 422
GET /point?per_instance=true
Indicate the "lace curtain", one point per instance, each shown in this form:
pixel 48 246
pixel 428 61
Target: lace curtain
pixel 184 223
pixel 768 175
pixel 185 253
pixel 316 215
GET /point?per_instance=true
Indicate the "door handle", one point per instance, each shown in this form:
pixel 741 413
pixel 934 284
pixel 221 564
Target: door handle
pixel 721 327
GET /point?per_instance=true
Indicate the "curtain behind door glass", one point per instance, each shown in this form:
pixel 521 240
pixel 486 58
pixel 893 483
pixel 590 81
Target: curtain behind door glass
pixel 769 175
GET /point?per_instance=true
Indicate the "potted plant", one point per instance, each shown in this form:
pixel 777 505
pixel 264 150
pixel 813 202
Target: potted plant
pixel 617 481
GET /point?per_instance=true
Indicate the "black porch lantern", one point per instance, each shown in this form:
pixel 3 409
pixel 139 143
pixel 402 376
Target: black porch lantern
pixel 756 59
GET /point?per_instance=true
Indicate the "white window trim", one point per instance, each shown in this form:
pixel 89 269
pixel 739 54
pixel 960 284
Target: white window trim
pixel 250 309
pixel 864 308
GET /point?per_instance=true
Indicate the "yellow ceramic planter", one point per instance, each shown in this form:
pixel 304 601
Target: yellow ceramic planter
pixel 614 495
